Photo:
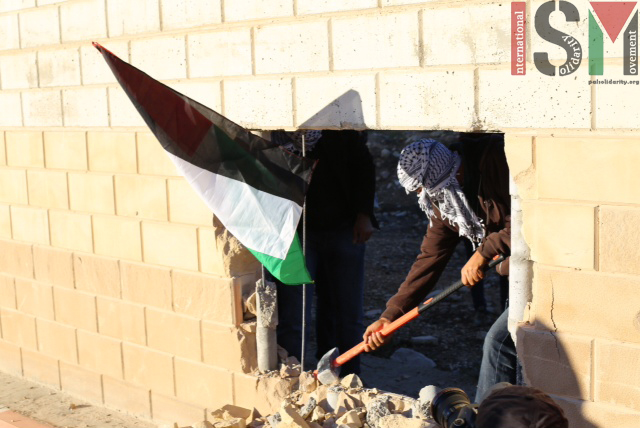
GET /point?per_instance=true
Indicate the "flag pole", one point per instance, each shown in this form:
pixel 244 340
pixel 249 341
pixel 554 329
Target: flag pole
pixel 304 256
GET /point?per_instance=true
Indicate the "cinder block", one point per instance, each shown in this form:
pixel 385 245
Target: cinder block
pixel 53 266
pixel 269 103
pixel 189 13
pixel 42 108
pixel 100 354
pixel 71 231
pixel 34 298
pixel 519 152
pixel 5 222
pixel 10 358
pixel 14 189
pixel 336 102
pixel 257 9
pixel 607 177
pixel 91 193
pixel 24 149
pixel 141 196
pixel 127 17
pixel 185 206
pixel 143 366
pixel 7 292
pixel 167 409
pixel 19 71
pixel 173 333
pixel 57 340
pixel 278 48
pixel 206 93
pixel 30 225
pixel 560 234
pixel 9 5
pixel 112 151
pixel 152 158
pixel 561 300
pixel 9 32
pixel 11 107
pixel 306 7
pixel 211 260
pixel 126 397
pixel 81 383
pixel 17 259
pixel 170 245
pixel 201 384
pixel 19 328
pixel 65 150
pixel 245 389
pixel 121 320
pixel 122 112
pixel 40 368
pixel 97 275
pixel 500 106
pixel 556 363
pixel 614 106
pixel 60 67
pixel 147 285
pixel 239 348
pixel 206 51
pixel 75 25
pixel 85 107
pixel 94 68
pixel 416 100
pixel 162 58
pixel 39 27
pixel 617 374
pixel 401 2
pixel 450 34
pixel 117 237
pixel 205 297
pixel 3 152
pixel 619 237
pixel 75 308
pixel 381 41
pixel 48 189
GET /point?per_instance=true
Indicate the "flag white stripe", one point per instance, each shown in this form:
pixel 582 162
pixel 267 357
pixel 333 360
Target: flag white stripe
pixel 260 220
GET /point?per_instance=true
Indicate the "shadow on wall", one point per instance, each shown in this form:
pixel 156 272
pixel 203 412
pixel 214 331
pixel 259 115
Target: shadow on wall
pixel 555 372
pixel 345 112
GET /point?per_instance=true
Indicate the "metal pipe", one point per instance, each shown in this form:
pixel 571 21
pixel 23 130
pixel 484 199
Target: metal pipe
pixel 266 338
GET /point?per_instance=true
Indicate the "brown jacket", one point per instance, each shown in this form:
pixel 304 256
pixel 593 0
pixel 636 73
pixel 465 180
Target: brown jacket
pixel 493 207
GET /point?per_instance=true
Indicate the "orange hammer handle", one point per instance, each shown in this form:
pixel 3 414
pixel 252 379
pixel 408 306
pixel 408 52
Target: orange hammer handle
pixel 385 331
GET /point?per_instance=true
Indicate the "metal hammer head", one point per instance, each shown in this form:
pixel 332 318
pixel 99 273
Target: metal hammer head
pixel 327 373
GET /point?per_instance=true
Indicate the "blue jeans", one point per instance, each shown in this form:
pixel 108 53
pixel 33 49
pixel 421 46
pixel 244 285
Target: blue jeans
pixel 337 266
pixel 499 359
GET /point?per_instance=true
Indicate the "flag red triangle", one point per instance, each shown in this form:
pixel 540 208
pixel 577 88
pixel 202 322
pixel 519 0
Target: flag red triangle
pixel 613 15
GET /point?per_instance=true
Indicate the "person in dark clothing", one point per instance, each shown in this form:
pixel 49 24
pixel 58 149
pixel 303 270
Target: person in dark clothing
pixel 465 195
pixel 339 220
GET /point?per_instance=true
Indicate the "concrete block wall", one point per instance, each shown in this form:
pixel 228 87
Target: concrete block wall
pixel 88 201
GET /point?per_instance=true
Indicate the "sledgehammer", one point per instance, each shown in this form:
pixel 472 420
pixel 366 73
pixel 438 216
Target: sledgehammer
pixel 330 363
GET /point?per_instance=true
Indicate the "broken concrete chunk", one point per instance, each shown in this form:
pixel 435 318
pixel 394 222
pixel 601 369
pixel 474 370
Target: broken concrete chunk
pixel 274 420
pixel 351 381
pixel 231 423
pixel 308 408
pixel 287 370
pixel 251 305
pixel 292 361
pixel 318 415
pixel 399 421
pixel 291 418
pixel 350 418
pixel 203 424
pixel 329 423
pixel 377 409
pixel 332 396
pixel 308 382
pixel 426 395
pixel 282 354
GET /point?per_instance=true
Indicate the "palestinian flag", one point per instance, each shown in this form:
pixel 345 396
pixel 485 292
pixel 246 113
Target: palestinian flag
pixel 253 186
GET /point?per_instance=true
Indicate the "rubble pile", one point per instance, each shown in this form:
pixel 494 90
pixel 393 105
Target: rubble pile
pixel 295 399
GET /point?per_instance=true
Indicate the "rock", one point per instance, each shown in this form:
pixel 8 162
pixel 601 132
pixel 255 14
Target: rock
pixel 306 411
pixel 350 418
pixel 377 409
pixel 231 423
pixel 318 414
pixel 413 359
pixel 250 304
pixel 329 423
pixel 351 381
pixel 282 354
pixel 399 421
pixel 332 396
pixel 274 420
pixel 426 395
pixel 287 370
pixel 290 417
pixel 203 424
pixel 424 340
pixel 307 383
pixel 345 403
pixel 292 361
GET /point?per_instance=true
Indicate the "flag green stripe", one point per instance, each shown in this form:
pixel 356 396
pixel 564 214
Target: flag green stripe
pixel 290 271
pixel 596 48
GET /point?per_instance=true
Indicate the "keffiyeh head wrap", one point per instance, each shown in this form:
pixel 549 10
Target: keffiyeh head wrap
pixel 292 141
pixel 430 165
